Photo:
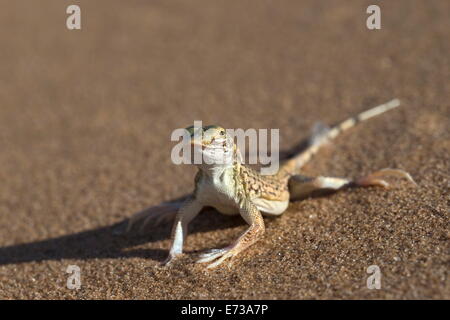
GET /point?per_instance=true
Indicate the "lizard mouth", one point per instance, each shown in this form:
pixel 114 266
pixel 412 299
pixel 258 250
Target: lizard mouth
pixel 213 144
pixel 197 143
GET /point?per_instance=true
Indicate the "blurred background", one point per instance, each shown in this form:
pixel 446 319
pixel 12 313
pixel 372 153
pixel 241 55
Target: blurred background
pixel 86 117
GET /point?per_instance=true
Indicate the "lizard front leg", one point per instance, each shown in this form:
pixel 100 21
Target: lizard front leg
pixel 254 218
pixel 187 212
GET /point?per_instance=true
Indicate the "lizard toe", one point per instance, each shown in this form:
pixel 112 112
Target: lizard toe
pixel 169 260
pixel 228 254
pixel 376 178
pixel 211 255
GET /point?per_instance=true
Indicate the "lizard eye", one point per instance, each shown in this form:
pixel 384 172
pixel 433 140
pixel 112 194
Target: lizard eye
pixel 222 132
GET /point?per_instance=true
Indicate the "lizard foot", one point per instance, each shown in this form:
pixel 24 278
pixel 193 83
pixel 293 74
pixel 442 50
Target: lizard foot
pixel 220 254
pixel 170 260
pixel 376 178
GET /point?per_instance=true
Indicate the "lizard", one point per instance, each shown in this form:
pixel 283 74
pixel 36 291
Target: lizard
pixel 231 187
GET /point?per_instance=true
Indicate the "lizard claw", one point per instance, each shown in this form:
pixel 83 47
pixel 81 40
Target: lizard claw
pixel 211 255
pixel 220 254
pixel 169 260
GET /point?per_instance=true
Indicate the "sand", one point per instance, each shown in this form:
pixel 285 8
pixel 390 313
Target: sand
pixel 85 124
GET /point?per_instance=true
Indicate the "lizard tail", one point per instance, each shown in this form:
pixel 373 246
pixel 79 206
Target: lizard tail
pixel 317 141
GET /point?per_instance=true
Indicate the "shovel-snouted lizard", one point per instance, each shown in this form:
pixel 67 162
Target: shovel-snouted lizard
pixel 233 188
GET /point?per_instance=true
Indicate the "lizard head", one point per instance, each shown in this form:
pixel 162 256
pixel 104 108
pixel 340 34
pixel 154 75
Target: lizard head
pixel 214 144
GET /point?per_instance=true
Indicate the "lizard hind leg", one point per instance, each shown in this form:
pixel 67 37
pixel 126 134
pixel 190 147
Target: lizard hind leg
pixel 301 187
pixel 156 215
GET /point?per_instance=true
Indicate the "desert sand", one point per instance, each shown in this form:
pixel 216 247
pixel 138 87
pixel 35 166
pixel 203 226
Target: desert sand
pixel 85 123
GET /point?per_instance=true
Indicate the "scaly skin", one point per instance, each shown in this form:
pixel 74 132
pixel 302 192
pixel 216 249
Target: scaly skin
pixel 235 188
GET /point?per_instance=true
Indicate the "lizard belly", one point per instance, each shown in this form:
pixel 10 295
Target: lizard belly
pixel 271 207
pixel 222 203
pixel 219 199
pixel 219 193
pixel 227 210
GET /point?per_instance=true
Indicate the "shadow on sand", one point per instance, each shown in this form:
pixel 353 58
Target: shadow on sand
pixel 104 242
